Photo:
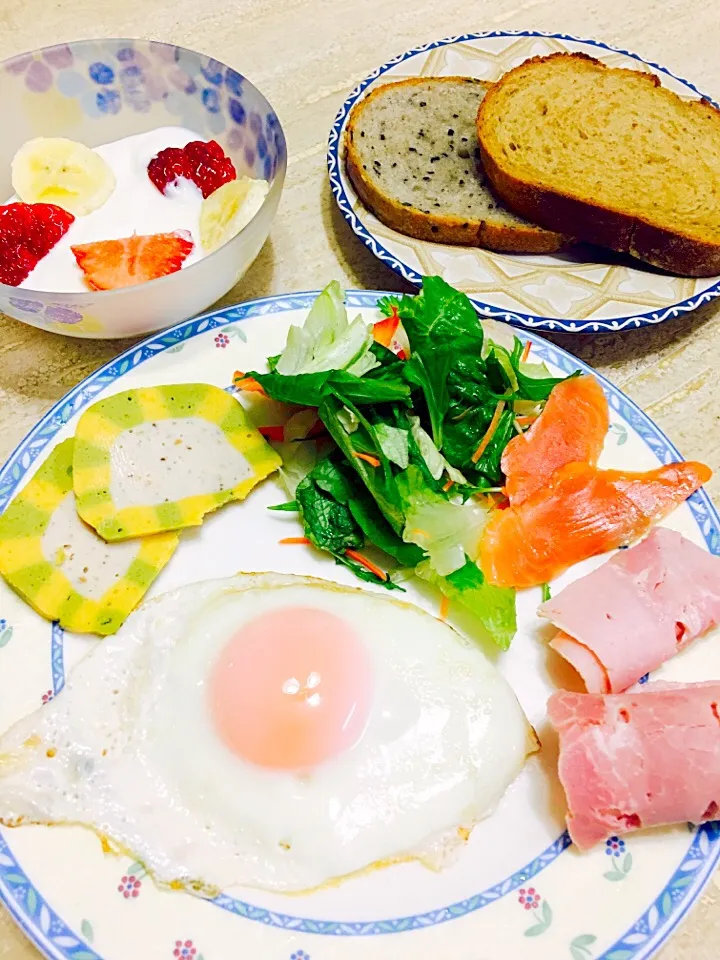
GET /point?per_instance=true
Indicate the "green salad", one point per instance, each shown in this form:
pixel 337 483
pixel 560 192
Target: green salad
pixel 419 408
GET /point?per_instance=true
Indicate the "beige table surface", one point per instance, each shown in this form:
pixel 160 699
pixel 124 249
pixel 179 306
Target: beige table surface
pixel 306 55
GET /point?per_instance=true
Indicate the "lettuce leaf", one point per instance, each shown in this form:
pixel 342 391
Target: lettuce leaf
pixel 493 606
pixel 327 341
pixel 394 443
pixel 446 530
pixel 434 460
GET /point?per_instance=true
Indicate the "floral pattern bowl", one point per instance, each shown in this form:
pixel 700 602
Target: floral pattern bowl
pixel 97 91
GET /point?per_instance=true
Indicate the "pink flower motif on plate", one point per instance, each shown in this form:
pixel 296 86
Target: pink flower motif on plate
pixel 185 950
pixel 130 887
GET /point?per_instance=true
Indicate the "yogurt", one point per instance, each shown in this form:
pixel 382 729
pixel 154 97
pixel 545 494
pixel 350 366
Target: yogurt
pixel 135 206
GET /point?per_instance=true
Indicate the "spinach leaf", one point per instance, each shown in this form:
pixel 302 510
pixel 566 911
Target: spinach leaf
pixel 328 523
pixel 429 371
pixel 384 355
pixel 418 463
pixel 489 463
pixel 387 387
pixel 380 480
pixel 378 531
pixel 308 389
pixel 468 385
pixel 331 479
pixel 463 437
pixel 438 316
pixel 335 477
pixel 537 388
pixel 362 573
pixel 500 373
pixel 339 514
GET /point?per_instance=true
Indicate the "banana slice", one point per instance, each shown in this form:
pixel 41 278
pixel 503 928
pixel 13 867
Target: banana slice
pixel 230 208
pixel 59 171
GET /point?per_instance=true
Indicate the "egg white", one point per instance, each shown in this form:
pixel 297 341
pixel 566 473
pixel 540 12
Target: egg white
pixel 129 748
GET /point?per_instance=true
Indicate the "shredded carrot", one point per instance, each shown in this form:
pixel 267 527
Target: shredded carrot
pixel 368 564
pixel 448 485
pixel 368 458
pixel 248 384
pixel 384 330
pixel 526 421
pixel 303 540
pixel 526 352
pixel 482 447
pixel 444 608
pixel 275 433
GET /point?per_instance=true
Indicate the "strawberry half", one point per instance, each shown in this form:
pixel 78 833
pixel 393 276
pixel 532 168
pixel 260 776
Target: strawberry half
pixel 205 164
pixel 28 232
pixel 110 264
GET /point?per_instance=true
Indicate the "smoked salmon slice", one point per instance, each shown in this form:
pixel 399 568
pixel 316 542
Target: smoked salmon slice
pixel 571 429
pixel 580 512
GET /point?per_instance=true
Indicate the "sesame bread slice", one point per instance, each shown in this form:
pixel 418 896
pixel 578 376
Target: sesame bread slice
pixel 412 154
pixel 610 156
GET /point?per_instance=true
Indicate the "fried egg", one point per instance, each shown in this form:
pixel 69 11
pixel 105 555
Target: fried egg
pixel 272 731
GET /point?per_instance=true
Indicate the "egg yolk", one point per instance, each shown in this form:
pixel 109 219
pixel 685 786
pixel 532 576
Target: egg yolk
pixel 292 688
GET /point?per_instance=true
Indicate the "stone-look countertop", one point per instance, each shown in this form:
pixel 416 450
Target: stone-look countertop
pixel 306 55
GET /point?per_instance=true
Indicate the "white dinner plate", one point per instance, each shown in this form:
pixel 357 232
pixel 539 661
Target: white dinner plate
pixel 571 292
pixel 517 891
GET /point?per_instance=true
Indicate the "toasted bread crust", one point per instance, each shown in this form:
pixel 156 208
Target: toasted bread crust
pixel 437 228
pixel 559 210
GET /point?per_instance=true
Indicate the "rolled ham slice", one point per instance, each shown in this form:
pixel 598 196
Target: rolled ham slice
pixel 635 760
pixel 636 611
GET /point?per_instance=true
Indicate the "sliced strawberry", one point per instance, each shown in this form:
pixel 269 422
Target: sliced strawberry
pixel 50 224
pixel 28 232
pixel 16 263
pixel 205 164
pixel 110 264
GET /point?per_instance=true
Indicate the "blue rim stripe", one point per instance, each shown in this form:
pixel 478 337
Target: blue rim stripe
pixel 528 321
pixel 57 940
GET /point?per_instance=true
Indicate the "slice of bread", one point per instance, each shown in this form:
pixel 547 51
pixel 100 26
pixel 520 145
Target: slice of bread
pixel 608 155
pixel 411 153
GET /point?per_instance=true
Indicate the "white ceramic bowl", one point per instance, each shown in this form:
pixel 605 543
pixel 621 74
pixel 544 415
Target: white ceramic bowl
pixel 96 91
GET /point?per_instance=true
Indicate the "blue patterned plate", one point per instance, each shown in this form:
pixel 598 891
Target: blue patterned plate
pixel 567 292
pixel 518 890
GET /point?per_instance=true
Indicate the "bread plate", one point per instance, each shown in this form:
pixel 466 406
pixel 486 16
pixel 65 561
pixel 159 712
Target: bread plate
pixel 580 290
pixel 520 890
